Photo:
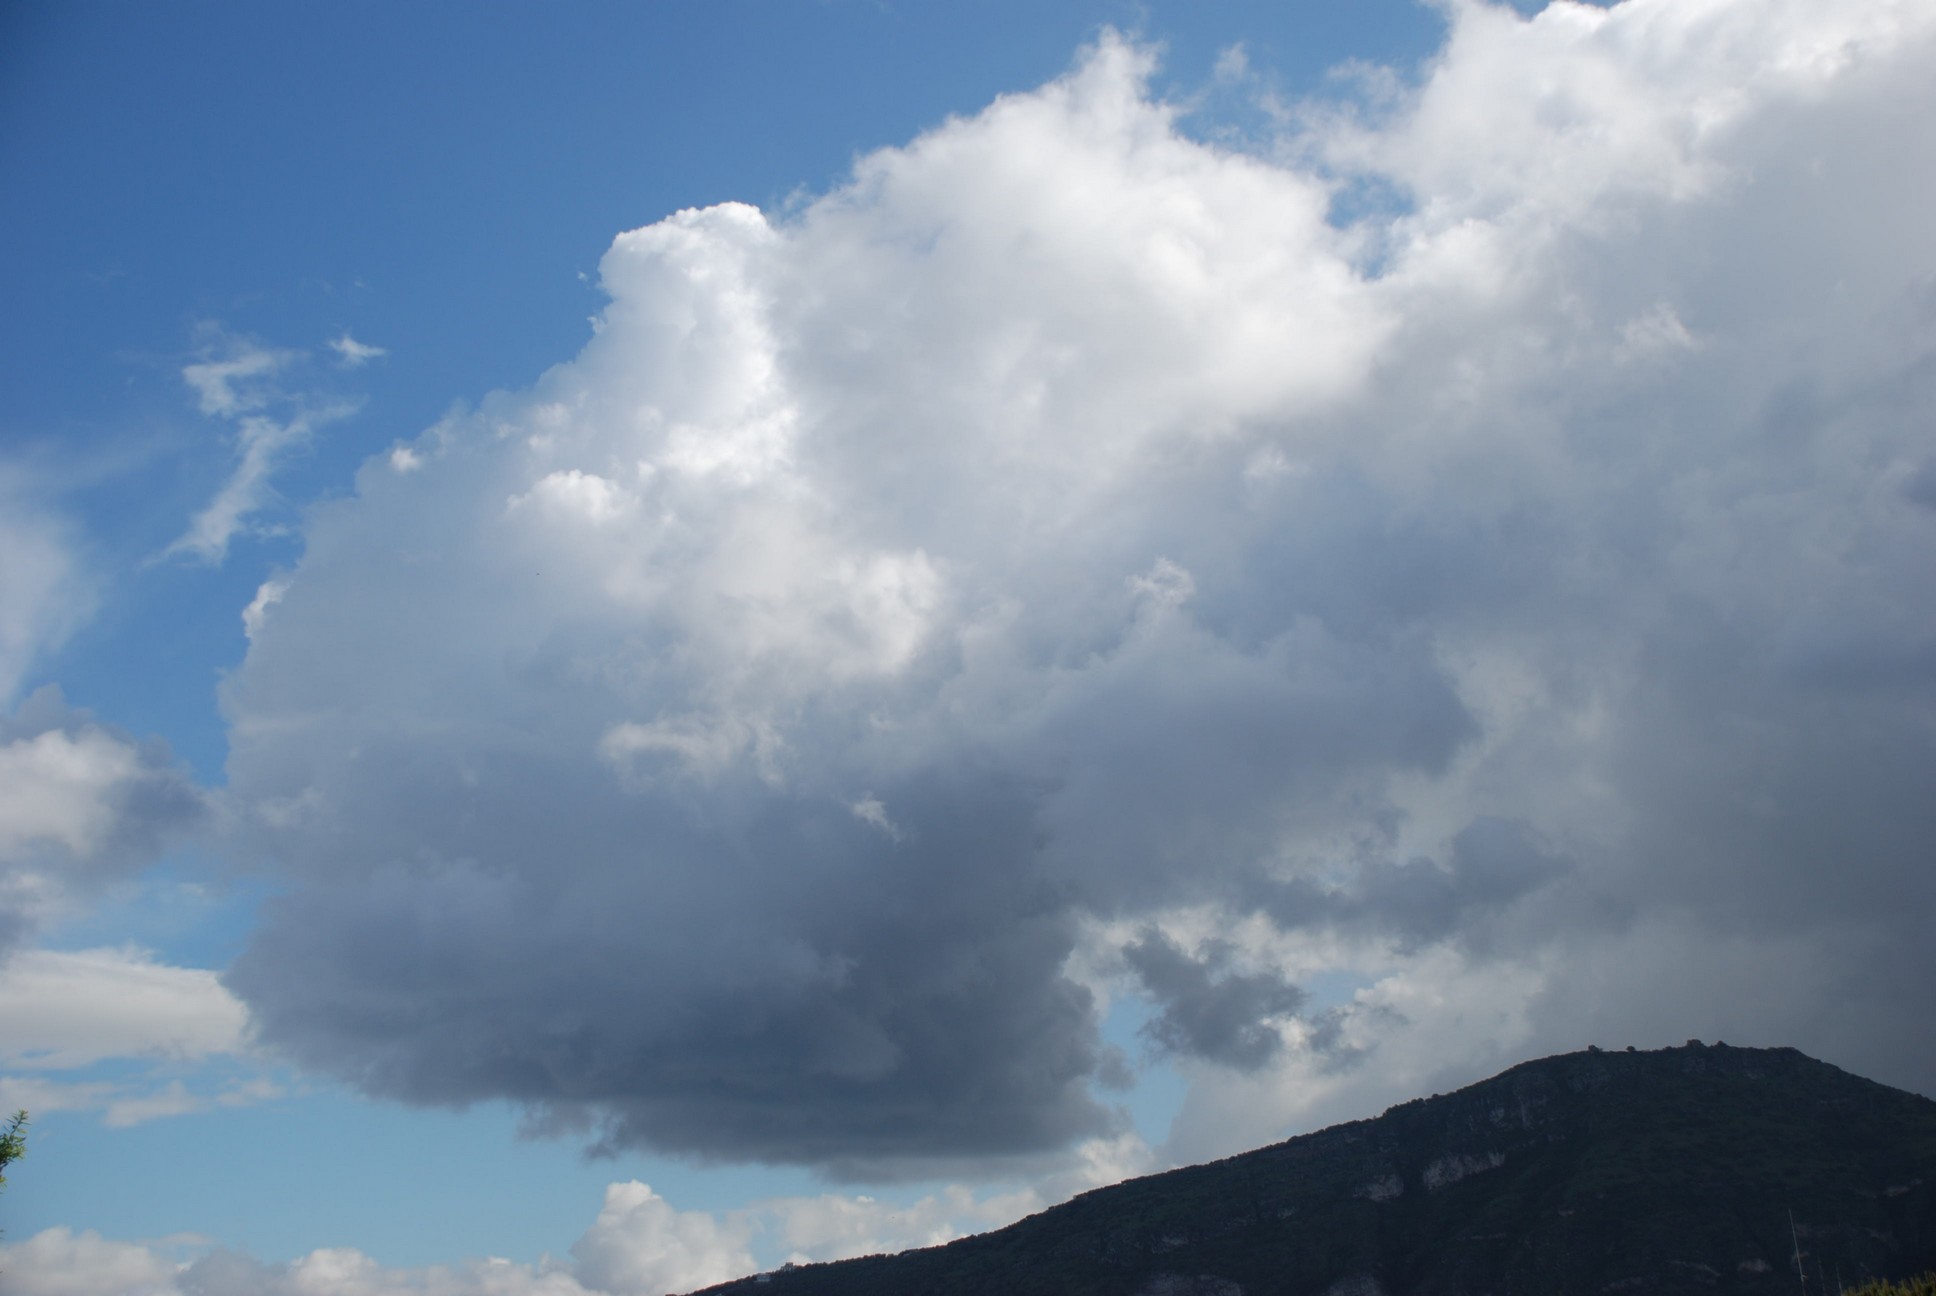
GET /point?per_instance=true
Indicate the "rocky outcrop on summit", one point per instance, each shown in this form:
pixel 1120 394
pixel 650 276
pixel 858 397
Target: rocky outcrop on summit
pixel 1666 1171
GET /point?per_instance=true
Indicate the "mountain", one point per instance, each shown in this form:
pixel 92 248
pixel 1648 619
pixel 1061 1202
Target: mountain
pixel 1630 1173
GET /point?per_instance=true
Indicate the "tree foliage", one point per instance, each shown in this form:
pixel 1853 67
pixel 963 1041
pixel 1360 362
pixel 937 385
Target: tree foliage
pixel 13 1144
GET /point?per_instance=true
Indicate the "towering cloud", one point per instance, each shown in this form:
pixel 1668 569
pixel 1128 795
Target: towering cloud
pixel 1482 544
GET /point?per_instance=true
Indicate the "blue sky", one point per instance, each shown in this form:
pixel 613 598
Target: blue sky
pixel 880 614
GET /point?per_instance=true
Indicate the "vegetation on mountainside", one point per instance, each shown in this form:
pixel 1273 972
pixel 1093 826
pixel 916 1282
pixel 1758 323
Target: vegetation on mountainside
pixel 1639 1172
pixel 1922 1285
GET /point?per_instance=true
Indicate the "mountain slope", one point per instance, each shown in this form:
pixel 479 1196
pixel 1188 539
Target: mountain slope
pixel 1637 1172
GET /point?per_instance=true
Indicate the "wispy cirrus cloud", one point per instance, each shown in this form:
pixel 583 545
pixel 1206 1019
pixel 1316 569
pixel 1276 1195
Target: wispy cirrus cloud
pixel 240 382
pixel 353 354
pixel 45 589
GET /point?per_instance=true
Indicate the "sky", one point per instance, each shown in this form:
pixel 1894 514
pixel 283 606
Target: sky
pixel 639 641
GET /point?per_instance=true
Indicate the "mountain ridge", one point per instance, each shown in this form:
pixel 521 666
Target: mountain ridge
pixel 1668 1170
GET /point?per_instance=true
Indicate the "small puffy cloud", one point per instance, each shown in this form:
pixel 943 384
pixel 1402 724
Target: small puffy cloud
pixel 730 744
pixel 353 354
pixel 639 1245
pixel 61 1262
pixel 81 805
pixel 57 783
pixel 870 810
pixel 267 595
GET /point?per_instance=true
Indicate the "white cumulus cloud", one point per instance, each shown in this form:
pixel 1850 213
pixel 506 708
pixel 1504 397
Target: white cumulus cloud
pixel 62 1010
pixel 639 1245
pixel 1070 526
pixel 176 1039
